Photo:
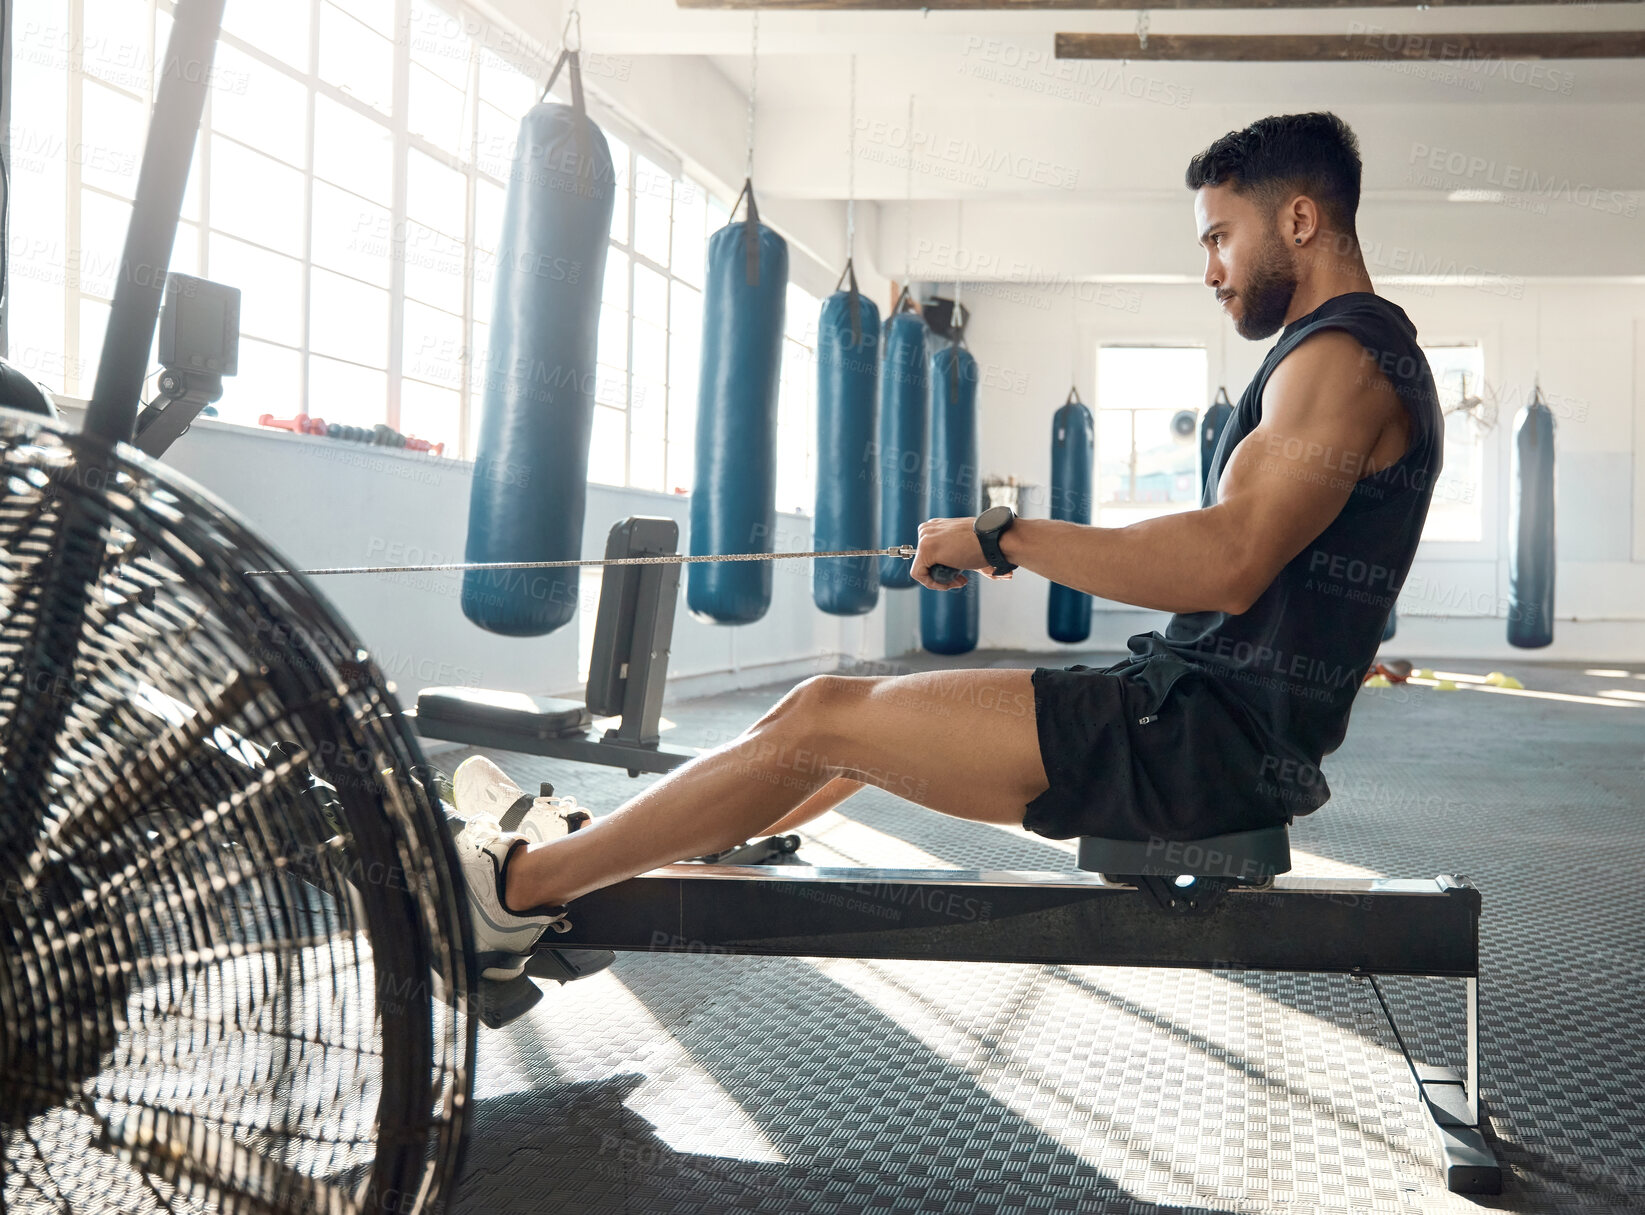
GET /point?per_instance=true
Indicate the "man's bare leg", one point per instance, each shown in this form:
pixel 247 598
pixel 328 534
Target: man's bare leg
pixel 819 803
pixel 960 742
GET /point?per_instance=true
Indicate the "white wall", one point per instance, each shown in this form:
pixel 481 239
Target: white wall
pixel 1583 338
pixel 325 502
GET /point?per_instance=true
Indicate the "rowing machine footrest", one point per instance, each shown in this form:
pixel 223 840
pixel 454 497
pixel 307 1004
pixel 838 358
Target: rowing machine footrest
pixel 516 712
pixel 1243 856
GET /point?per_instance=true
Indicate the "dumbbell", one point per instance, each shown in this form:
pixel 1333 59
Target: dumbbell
pixel 302 424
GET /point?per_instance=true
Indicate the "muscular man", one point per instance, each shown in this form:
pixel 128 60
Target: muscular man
pixel 1280 584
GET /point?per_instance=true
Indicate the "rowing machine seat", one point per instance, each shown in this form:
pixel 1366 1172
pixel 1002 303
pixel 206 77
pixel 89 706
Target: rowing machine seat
pixel 1243 856
pixel 512 713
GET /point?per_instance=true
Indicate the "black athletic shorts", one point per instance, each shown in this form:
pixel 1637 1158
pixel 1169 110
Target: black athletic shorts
pixel 1149 748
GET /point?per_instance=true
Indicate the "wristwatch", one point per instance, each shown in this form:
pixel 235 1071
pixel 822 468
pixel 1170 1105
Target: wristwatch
pixel 990 526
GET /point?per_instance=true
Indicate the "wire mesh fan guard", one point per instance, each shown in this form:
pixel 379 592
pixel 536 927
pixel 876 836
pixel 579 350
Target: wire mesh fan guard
pixel 233 963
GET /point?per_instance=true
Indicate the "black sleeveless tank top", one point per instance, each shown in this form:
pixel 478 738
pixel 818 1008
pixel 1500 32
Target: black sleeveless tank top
pixel 1295 660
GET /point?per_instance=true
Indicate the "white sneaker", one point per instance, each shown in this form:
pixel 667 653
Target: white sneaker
pixel 483 791
pixel 502 938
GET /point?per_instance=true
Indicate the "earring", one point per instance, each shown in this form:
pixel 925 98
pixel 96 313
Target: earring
pixel 1299 240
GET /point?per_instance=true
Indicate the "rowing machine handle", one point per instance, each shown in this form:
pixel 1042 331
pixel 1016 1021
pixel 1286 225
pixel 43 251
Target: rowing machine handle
pixel 944 573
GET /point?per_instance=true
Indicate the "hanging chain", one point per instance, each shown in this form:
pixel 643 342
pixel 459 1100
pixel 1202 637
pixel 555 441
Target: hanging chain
pixel 851 172
pixel 959 239
pixel 753 90
pixel 905 551
pixel 1073 335
pixel 908 205
pixel 1142 28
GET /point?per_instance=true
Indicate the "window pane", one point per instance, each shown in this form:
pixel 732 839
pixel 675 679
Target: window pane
pixel 269 381
pixel 648 436
pixel 605 449
pixel 619 168
pixel 611 385
pixel 690 231
pixel 1167 463
pixel 436 110
pixel 94 319
pixel 1144 468
pixel 185 250
pixel 801 312
pixel 506 86
pixel 434 269
pixel 796 490
pixel 436 195
pixel 103 223
pixel 1457 509
pixel 612 343
pixel 39 241
pixel 494 141
pixel 478 368
pixel 280 30
pixel 255 197
pixel 439 43
pixel 115 46
pixel 342 392
pixel 112 129
pixel 271 288
pixel 684 370
pixel 348 319
pixel 353 151
pixel 433 349
pixel 429 412
pixel 650 350
pixel 488 213
pixel 39 31
pixel 355 59
pixel 650 296
pixel 378 14
pixel 266 109
pixel 653 210
pixel 1114 455
pixel 351 235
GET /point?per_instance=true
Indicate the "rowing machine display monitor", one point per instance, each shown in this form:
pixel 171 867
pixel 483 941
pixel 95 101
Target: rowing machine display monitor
pixel 199 344
pixel 633 630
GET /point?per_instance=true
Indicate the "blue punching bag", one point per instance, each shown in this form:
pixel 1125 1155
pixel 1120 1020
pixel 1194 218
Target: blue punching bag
pixel 1073 442
pixel 531 465
pixel 905 402
pixel 1210 435
pixel 1531 529
pixel 734 503
pixel 948 619
pixel 848 506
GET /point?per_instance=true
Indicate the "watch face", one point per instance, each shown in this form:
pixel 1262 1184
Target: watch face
pixel 993 517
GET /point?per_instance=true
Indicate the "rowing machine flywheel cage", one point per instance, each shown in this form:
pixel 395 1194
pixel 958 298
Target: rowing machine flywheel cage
pixel 234 971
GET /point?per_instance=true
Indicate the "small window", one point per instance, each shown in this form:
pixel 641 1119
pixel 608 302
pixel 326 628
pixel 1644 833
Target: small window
pixel 1147 454
pixel 1457 511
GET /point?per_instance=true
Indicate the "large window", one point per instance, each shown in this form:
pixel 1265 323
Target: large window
pixel 350 179
pixel 1147 457
pixel 1457 511
pixel 651 326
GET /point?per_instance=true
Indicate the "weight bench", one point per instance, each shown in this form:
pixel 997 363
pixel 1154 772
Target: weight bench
pixel 1224 903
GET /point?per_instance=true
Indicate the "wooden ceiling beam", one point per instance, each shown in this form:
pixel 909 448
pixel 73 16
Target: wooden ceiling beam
pixel 1366 44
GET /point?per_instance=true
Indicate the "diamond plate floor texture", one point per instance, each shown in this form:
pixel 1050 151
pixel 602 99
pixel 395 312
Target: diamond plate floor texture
pixel 710 1083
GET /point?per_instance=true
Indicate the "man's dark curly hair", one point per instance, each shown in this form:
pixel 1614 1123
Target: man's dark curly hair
pixel 1312 154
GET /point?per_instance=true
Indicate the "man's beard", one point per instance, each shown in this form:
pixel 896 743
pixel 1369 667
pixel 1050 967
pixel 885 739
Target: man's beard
pixel 1267 296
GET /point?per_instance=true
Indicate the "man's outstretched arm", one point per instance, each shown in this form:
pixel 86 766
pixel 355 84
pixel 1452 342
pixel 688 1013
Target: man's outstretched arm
pixel 1329 418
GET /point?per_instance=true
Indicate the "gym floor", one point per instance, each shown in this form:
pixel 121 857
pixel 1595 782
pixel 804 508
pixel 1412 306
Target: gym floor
pixel 710 1083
